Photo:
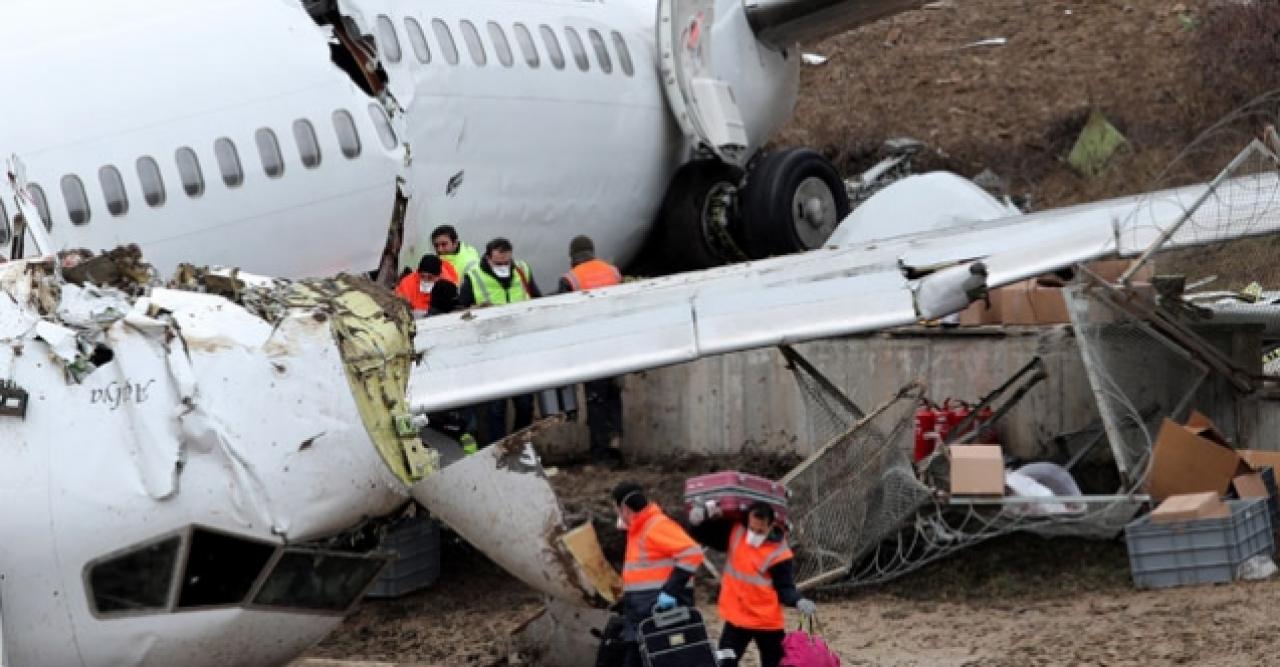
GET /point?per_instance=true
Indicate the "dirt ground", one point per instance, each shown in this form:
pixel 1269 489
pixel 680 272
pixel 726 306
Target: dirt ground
pixel 1018 600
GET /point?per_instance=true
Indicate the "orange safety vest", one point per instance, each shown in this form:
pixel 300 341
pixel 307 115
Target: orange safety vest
pixel 409 290
pixel 591 274
pixel 656 545
pixel 747 597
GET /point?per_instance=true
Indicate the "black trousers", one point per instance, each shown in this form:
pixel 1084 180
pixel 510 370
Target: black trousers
pixel 604 416
pixel 497 421
pixel 769 643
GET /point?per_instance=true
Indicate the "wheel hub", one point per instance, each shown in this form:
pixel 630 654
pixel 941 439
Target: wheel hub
pixel 814 212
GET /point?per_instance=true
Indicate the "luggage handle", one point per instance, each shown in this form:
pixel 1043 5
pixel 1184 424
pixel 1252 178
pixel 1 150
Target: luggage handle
pixel 675 615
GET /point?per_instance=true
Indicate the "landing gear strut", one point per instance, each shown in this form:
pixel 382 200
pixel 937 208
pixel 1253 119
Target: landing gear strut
pixel 699 217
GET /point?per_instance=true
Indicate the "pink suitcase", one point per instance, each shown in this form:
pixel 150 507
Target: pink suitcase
pixel 734 492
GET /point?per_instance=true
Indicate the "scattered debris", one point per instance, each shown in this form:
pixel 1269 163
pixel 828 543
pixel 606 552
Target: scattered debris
pixel 990 41
pixel 1097 143
pixel 813 59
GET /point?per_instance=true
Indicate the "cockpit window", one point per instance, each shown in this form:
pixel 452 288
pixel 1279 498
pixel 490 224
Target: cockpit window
pixel 319 581
pixel 137 580
pixel 221 569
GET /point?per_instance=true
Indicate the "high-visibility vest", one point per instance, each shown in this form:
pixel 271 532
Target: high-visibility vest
pixel 591 274
pixel 462 261
pixel 747 597
pixel 487 291
pixel 656 545
pixel 410 290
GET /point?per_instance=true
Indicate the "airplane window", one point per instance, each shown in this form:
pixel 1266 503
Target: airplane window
pixel 308 147
pixel 579 51
pixel 152 182
pixel 553 46
pixel 42 204
pixel 77 201
pixel 228 162
pixel 602 52
pixel 380 121
pixel 527 47
pixel 447 46
pixel 387 40
pixel 320 581
pixel 500 44
pixel 624 54
pixel 269 151
pixel 472 37
pixel 348 138
pixel 221 569
pixel 113 190
pixel 4 225
pixel 417 39
pixel 136 580
pixel 189 170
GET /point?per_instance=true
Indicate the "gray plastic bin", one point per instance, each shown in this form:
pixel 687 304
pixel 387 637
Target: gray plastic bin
pixel 1198 552
pixel 416 542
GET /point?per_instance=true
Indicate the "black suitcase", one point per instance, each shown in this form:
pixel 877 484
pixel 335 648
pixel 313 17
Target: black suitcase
pixel 675 638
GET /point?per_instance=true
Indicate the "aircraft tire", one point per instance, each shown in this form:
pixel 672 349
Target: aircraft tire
pixel 792 201
pixel 697 216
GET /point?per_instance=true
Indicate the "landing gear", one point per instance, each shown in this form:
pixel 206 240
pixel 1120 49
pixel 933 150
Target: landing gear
pixel 792 201
pixel 698 217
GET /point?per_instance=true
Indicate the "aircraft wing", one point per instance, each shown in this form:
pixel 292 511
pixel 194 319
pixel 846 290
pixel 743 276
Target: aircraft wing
pixel 495 352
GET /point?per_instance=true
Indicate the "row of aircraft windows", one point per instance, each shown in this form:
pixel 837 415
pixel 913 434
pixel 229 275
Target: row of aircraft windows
pixel 389 42
pixel 191 174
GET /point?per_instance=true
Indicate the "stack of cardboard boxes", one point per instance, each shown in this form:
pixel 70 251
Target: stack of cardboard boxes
pixel 976 470
pixel 1193 467
pixel 1040 300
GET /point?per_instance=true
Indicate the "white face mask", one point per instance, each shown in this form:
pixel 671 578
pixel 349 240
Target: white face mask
pixel 755 539
pixel 426 285
pixel 502 270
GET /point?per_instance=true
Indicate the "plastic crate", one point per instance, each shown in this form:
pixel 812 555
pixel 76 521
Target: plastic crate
pixel 1198 552
pixel 416 542
pixel 1268 475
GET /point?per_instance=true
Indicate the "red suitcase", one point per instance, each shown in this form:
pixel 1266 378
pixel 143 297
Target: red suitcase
pixel 734 492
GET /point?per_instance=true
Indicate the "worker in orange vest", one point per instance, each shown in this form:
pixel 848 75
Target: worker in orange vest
pixel 604 396
pixel 758 579
pixel 429 290
pixel 660 562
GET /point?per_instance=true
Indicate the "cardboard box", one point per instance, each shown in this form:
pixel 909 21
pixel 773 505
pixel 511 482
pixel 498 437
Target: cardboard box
pixel 1250 485
pixel 1029 303
pixel 1189 507
pixel 979 313
pixel 1184 461
pixel 1259 459
pixel 976 470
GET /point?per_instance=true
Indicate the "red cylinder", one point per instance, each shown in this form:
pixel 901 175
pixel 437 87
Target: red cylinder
pixel 926 422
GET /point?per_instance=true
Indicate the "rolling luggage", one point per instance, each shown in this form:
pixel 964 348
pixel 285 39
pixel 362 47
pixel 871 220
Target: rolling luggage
pixel 734 492
pixel 675 638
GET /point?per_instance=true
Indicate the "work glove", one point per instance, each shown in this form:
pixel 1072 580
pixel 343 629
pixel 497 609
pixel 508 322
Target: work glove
pixel 468 444
pixel 666 602
pixel 806 606
pixel 707 510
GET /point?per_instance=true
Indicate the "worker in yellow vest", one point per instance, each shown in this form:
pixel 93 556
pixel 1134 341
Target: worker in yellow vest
pixel 604 396
pixel 457 254
pixel 758 579
pixel 499 279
